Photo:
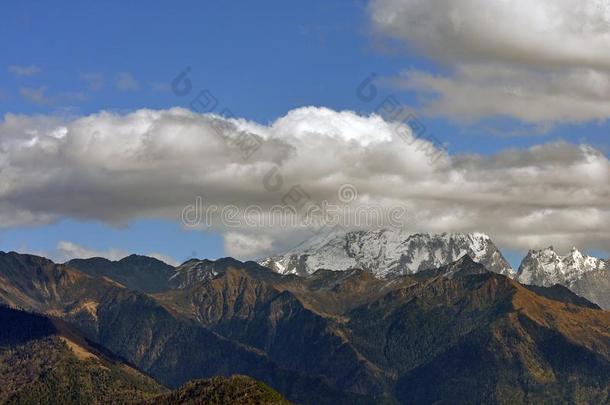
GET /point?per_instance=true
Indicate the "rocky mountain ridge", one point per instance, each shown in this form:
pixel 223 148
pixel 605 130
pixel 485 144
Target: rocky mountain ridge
pixel 585 275
pixel 384 253
pixel 387 253
pixel 456 332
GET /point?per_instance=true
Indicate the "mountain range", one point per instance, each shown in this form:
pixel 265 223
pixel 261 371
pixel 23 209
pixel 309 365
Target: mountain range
pixel 392 253
pixel 387 253
pixel 44 360
pixel 453 325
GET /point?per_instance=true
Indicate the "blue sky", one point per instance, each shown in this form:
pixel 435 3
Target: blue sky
pixel 259 59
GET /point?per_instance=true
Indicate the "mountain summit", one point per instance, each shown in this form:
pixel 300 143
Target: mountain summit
pixel 388 253
pixel 585 275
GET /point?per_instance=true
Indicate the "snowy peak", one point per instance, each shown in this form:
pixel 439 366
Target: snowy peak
pixel 388 253
pixel 576 253
pixel 546 267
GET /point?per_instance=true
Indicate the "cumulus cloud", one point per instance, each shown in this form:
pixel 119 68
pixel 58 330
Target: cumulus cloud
pixel 161 163
pixel 544 61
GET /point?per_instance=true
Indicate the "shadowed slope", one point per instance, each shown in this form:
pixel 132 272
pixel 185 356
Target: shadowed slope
pixel 45 361
pixel 139 273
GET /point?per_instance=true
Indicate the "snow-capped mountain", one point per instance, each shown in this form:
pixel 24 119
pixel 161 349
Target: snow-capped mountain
pixel 546 267
pixel 585 275
pixel 387 253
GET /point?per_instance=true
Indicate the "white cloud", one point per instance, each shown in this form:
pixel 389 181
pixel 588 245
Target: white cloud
pixel 31 70
pixel 544 61
pixel 126 82
pixel 578 95
pixel 68 250
pixel 152 164
pixel 542 32
pixel 244 246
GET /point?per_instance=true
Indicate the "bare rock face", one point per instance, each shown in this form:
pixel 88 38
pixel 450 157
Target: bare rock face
pixel 388 253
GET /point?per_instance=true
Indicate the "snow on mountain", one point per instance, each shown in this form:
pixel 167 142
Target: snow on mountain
pixel 387 253
pixel 584 275
pixel 546 268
